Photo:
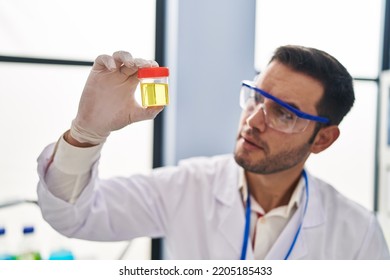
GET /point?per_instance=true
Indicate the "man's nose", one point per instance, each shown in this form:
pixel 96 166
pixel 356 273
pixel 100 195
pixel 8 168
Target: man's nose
pixel 256 119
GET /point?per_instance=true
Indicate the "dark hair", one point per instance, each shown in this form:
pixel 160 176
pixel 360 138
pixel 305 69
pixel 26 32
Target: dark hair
pixel 338 97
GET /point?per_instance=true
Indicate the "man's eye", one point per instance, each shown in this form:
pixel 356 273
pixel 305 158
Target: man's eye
pixel 258 98
pixel 282 114
pixel 286 115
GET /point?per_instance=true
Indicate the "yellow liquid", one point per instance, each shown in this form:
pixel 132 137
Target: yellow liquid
pixel 154 94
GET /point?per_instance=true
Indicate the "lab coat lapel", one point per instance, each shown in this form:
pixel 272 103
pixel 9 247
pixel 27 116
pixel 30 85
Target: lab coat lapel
pixel 231 227
pixel 232 213
pixel 283 243
pixel 315 216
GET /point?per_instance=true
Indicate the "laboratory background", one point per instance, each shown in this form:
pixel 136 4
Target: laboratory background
pixel 46 51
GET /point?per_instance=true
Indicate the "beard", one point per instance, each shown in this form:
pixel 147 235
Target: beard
pixel 266 162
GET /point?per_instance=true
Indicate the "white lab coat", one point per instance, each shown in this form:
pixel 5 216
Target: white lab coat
pixel 197 208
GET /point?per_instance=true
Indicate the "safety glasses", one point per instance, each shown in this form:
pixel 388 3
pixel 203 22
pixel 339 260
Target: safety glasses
pixel 278 114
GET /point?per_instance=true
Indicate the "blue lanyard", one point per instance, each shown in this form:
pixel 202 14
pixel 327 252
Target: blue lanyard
pixel 248 221
pixel 247 226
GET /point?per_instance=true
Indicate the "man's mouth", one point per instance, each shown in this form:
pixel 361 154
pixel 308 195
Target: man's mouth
pixel 250 143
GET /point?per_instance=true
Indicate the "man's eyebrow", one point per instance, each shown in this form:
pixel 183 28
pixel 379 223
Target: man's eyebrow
pixel 291 103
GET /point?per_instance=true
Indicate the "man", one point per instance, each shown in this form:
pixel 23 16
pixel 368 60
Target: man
pixel 259 204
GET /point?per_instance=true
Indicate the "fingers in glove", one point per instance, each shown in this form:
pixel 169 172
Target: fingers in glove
pixel 103 62
pixel 137 63
pixel 125 61
pixel 141 63
pixel 123 58
pixel 130 66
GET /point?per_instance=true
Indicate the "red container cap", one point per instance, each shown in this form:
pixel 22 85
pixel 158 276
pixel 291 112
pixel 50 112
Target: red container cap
pixel 151 72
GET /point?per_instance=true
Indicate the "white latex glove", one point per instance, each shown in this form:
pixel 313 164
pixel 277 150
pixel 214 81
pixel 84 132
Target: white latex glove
pixel 108 102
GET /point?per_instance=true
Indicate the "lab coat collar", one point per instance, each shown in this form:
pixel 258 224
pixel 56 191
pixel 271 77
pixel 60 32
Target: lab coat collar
pixel 232 219
pixel 315 215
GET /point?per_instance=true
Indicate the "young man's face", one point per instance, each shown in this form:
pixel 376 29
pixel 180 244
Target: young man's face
pixel 264 150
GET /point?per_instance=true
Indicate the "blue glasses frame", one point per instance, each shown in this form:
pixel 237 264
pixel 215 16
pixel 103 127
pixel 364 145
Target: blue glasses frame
pixel 287 106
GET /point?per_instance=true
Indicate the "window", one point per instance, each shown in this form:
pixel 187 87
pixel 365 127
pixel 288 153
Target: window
pixel 351 31
pixel 39 101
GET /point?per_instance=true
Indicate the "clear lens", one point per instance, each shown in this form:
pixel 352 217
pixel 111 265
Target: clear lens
pixel 276 116
pixel 247 98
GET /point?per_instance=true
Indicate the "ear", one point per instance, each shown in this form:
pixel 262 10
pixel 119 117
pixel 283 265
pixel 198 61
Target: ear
pixel 324 138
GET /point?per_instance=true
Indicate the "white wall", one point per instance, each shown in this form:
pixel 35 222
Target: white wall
pixel 210 50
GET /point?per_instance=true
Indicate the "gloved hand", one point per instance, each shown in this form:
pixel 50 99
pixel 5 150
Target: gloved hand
pixel 108 102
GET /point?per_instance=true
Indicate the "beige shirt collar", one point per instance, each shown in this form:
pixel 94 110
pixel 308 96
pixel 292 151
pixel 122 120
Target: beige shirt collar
pixel 285 210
